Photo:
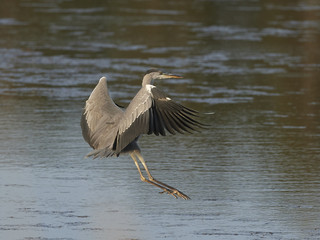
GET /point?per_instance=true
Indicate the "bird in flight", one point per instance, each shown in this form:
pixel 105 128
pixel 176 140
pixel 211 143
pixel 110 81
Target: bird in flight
pixel 112 131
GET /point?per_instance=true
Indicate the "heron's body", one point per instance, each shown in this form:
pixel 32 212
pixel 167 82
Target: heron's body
pixel 111 131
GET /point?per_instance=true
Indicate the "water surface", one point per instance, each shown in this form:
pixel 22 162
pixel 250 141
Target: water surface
pixel 254 174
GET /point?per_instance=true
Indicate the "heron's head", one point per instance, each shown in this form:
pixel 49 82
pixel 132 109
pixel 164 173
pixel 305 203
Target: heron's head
pixel 153 74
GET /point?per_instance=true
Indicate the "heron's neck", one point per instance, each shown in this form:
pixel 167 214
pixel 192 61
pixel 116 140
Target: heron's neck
pixel 147 80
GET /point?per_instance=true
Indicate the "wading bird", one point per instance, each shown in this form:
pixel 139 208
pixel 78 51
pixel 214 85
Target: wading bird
pixel 112 131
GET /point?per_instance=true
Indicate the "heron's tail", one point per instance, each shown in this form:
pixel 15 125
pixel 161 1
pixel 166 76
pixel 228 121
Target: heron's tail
pixel 100 153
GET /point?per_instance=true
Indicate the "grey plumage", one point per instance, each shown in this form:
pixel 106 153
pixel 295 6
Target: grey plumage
pixel 111 131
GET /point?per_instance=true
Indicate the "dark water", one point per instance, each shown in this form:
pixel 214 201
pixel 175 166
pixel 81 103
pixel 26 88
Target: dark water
pixel 255 174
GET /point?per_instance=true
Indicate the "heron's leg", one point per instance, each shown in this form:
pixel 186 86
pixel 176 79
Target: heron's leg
pixel 175 191
pixel 144 165
pixel 137 165
pixel 169 191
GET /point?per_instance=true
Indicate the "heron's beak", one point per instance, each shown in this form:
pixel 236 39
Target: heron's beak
pixel 168 75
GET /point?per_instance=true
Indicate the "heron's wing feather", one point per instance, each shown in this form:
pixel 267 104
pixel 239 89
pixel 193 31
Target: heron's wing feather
pixel 152 112
pixel 135 120
pixel 99 115
pixel 174 116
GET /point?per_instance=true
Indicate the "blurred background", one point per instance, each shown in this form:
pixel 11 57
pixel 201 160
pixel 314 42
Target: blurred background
pixel 254 174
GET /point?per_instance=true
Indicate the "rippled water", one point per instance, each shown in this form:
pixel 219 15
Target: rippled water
pixel 254 174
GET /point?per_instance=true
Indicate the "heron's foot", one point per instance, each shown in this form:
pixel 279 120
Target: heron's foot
pixel 170 190
pixel 166 188
pixel 176 193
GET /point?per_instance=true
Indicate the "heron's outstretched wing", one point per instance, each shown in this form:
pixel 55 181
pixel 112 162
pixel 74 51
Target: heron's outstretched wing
pixel 151 111
pixel 100 114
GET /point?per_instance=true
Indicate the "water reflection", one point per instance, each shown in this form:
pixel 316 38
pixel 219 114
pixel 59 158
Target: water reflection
pixel 253 174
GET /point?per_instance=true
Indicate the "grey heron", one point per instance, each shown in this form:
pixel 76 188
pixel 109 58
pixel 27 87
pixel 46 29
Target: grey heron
pixel 112 131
